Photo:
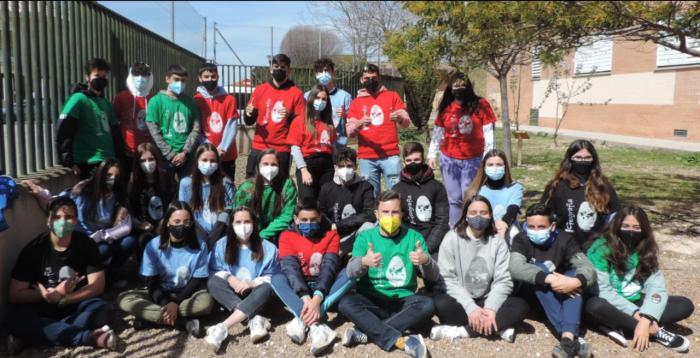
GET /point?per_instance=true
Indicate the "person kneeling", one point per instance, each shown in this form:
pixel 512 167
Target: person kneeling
pixel 311 280
pixel 551 265
pixel 386 259
pixel 174 266
pixel 240 267
pixel 474 262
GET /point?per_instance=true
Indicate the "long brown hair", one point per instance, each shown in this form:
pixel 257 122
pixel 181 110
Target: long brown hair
pixel 191 240
pixel 480 177
pixel 472 101
pixel 462 223
pixel 597 186
pixel 139 179
pixel 277 185
pixel 326 115
pixel 233 245
pixel 217 192
pixel 647 249
pixel 95 188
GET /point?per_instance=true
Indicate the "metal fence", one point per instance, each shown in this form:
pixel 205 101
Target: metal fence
pixel 43 47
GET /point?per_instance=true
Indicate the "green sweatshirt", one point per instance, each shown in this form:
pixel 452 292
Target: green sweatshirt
pixel 270 226
pixel 623 292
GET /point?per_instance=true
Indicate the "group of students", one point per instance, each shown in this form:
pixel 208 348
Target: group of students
pixel 333 238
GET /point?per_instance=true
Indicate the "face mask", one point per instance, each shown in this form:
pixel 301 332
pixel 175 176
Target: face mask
pixel 179 232
pixel 478 222
pixel 269 172
pixel 110 181
pixel 414 168
pixel 390 224
pixel 371 85
pixel 345 174
pixel 495 173
pixel 209 85
pixel 98 84
pixel 148 167
pixel 141 84
pixel 177 87
pixel 459 93
pixel 582 167
pixel 309 229
pixel 319 105
pixel 538 237
pixel 62 227
pixel 243 231
pixel 207 168
pixel 630 238
pixel 279 75
pixel 324 78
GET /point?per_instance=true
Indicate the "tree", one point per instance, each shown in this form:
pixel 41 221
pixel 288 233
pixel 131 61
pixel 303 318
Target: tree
pixel 497 36
pixel 304 44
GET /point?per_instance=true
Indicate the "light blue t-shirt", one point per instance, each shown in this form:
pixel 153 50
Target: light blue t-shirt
pixel 175 266
pixel 205 218
pixel 502 198
pixel 246 268
pixel 339 98
pixel 103 218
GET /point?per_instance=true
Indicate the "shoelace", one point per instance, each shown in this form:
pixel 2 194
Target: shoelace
pixel 664 335
pixel 359 337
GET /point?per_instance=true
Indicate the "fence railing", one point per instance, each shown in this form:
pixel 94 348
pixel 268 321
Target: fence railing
pixel 43 47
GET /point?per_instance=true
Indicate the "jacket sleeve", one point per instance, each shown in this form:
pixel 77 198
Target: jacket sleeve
pixel 195 284
pixel 281 222
pixel 502 284
pixel 608 293
pixel 655 296
pixel 292 270
pixel 520 269
pixel 353 222
pixel 448 271
pixel 154 291
pixel 193 137
pixel 67 128
pixel 436 139
pixel 355 269
pixel 165 149
pixel 442 218
pixel 584 269
pixel 330 266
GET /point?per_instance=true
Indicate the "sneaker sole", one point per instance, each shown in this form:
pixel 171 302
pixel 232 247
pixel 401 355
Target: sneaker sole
pixel 423 353
pixel 322 349
pixel 346 339
pixel 214 347
pixel 682 349
pixel 258 338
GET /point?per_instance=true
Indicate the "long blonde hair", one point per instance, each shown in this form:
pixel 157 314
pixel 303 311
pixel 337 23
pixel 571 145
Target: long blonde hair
pixel 481 177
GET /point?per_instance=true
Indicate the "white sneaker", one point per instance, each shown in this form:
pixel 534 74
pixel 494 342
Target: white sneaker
pixel 193 328
pixel 353 336
pixel 585 349
pixel 448 332
pixel 616 336
pixel 296 330
pixel 508 335
pixel 322 337
pixel 216 335
pixel 258 327
pixel 415 346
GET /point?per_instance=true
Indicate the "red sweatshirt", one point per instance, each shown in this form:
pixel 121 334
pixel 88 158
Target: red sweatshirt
pixel 131 114
pixel 308 252
pixel 464 134
pixel 215 113
pixel 272 129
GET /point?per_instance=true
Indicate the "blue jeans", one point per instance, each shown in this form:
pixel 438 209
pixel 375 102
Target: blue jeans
pixel 72 329
pixel 457 174
pixel 372 169
pixel 115 254
pixel 563 312
pixel 286 293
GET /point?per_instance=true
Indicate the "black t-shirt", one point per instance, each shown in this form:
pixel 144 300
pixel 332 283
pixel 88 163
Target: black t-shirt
pixel 39 262
pixel 555 256
pixel 150 203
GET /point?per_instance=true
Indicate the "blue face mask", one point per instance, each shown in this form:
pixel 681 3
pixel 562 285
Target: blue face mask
pixel 177 87
pixel 539 237
pixel 309 229
pixel 324 78
pixel 495 173
pixel 319 105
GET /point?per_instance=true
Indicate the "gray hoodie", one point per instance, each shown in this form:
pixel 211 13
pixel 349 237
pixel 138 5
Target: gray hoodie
pixel 475 268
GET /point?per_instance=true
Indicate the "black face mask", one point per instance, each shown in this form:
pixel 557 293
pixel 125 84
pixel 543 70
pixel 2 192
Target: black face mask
pixel 209 85
pixel 279 74
pixel 371 85
pixel 630 238
pixel 179 232
pixel 460 93
pixel 98 83
pixel 582 167
pixel 414 168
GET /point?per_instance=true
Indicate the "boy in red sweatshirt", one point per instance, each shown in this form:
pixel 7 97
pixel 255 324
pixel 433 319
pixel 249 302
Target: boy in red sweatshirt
pixel 272 107
pixel 373 117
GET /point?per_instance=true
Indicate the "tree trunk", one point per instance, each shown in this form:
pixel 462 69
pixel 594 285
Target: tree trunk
pixel 505 117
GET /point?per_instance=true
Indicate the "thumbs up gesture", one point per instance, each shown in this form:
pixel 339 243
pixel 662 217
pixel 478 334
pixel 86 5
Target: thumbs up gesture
pixel 419 257
pixel 371 259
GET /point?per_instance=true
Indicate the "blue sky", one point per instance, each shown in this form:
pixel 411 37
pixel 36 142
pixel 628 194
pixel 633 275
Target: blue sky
pixel 245 24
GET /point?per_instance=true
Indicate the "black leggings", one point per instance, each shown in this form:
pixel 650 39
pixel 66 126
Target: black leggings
pixel 599 310
pixel 450 312
pixel 321 168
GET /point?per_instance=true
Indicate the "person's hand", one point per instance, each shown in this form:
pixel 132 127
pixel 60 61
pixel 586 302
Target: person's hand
pixel 334 227
pixel 249 109
pixel 311 312
pixel 76 170
pixel 306 177
pixel 284 112
pixel 68 285
pixel 122 214
pixel 340 112
pixel 394 116
pixel 501 228
pixel 365 121
pixel 566 285
pixel 221 152
pixel 640 341
pixel 432 163
pixel 476 318
pixel 49 295
pixel 371 259
pixel 146 226
pixel 179 159
pixel 239 286
pixel 654 328
pixel 419 257
pixel 489 322
pixel 169 313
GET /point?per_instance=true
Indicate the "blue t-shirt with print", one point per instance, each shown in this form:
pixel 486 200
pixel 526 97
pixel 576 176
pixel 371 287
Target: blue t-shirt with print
pixel 502 198
pixel 246 268
pixel 339 98
pixel 205 218
pixel 102 219
pixel 174 266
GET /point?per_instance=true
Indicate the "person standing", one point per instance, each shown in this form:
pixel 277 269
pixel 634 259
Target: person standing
pixel 324 68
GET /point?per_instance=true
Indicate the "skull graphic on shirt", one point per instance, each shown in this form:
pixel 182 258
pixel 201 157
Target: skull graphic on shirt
pixel 216 124
pixel 182 275
pixel 155 208
pixel 479 277
pixel 179 123
pixel 396 272
pixel 377 115
pixel 277 112
pixel 141 120
pixel 315 263
pixel 348 211
pixel 325 138
pixel 424 211
pixel 586 216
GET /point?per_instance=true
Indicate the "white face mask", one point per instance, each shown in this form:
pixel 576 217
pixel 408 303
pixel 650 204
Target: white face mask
pixel 149 166
pixel 243 231
pixel 345 174
pixel 269 172
pixel 207 168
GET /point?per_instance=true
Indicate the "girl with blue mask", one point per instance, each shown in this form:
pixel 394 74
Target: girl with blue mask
pixel 494 181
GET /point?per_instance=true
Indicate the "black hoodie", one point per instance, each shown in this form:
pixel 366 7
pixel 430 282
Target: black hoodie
pixel 425 206
pixel 347 206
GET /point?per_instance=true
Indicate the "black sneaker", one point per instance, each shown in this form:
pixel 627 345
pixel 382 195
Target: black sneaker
pixel 585 349
pixel 140 325
pixel 566 348
pixel 672 341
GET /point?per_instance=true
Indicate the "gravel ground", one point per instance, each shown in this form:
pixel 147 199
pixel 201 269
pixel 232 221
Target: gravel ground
pixel 680 260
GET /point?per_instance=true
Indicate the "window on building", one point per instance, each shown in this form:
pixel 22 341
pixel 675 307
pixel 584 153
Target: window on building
pixel 594 58
pixel 536 66
pixel 666 57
